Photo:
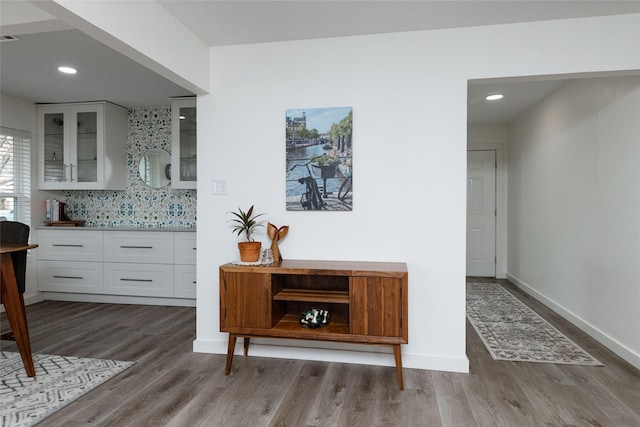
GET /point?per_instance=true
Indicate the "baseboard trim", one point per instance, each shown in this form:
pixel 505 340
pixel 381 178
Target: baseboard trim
pixel 118 299
pixel 33 298
pixel 360 354
pixel 28 300
pixel 591 330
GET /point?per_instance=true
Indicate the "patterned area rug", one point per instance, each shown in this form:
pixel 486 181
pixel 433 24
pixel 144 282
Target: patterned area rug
pixel 59 381
pixel 512 331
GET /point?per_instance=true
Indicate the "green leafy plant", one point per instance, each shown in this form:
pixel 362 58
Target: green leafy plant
pixel 245 222
pixel 324 160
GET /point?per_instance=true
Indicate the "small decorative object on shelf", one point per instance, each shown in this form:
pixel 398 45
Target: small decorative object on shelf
pixel 267 257
pixel 56 212
pixel 276 234
pixel 245 223
pixel 314 318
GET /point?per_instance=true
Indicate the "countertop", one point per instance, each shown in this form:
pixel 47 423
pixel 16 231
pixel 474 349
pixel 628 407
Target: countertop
pixel 170 229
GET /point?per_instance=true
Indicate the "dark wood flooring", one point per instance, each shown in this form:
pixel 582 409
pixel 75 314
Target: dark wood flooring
pixel 172 386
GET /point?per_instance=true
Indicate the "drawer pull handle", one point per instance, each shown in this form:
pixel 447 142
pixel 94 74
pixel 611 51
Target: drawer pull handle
pixel 67 277
pixel 194 282
pixel 136 247
pixel 68 245
pixel 194 249
pixel 135 280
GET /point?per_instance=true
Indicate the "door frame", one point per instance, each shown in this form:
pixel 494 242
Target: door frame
pixel 501 203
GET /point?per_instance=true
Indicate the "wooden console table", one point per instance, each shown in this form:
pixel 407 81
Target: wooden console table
pixel 367 302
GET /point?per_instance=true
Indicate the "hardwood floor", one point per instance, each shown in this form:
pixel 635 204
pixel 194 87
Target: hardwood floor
pixel 172 386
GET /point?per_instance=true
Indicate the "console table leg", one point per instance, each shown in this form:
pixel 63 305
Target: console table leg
pixel 246 346
pixel 397 353
pixel 230 349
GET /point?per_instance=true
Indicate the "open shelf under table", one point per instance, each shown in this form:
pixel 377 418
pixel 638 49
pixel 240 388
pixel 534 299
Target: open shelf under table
pixel 290 324
pixel 310 295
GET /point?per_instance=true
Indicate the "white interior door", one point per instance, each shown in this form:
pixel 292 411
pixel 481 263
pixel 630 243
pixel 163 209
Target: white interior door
pixel 481 213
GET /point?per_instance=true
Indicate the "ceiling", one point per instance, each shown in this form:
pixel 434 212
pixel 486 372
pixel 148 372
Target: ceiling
pixel 238 22
pixel 27 66
pixel 28 69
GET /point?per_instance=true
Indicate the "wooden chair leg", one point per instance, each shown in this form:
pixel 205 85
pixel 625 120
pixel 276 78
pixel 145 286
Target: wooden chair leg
pixel 16 313
pixel 397 353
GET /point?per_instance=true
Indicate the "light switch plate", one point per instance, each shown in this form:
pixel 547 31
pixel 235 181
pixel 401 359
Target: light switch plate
pixel 219 186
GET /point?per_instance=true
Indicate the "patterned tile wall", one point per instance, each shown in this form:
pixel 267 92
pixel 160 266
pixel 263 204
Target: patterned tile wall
pixel 138 206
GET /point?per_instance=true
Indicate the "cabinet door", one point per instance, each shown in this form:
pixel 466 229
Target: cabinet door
pixel 85 168
pixel 184 173
pixel 245 301
pixel 184 248
pixel 184 281
pixel 379 306
pixel 53 146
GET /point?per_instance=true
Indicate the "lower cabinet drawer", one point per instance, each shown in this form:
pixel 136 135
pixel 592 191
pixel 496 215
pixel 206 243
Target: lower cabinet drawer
pixel 68 276
pixel 139 247
pixel 70 246
pixel 184 281
pixel 151 280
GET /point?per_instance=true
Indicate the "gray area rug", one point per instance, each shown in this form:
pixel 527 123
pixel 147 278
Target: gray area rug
pixel 59 381
pixel 512 331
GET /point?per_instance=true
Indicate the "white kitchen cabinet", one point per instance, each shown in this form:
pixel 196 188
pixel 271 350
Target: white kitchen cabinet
pixel 82 146
pixel 184 248
pixel 138 263
pixel 148 247
pixel 184 172
pixel 132 266
pixel 184 269
pixel 184 281
pixel 63 245
pixel 70 262
pixel 149 280
pixel 70 276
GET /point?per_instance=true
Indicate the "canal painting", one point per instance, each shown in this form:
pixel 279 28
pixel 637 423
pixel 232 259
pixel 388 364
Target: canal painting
pixel 319 149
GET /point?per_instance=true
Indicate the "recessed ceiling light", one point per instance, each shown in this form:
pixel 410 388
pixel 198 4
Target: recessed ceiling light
pixel 494 97
pixel 67 70
pixel 9 38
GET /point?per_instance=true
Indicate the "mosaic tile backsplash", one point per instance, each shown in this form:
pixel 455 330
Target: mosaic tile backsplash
pixel 139 206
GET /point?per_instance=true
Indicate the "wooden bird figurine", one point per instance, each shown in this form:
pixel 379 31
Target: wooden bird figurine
pixel 276 234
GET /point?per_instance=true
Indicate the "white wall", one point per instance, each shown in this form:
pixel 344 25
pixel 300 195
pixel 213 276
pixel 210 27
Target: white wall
pixel 17 113
pixel 408 93
pixel 574 207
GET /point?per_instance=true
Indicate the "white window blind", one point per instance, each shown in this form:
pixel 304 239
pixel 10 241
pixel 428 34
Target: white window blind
pixel 15 175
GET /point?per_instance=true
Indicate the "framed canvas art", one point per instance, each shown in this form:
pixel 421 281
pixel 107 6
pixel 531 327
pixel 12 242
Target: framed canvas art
pixel 319 149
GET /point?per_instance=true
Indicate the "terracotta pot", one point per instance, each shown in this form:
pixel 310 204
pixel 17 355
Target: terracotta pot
pixel 249 251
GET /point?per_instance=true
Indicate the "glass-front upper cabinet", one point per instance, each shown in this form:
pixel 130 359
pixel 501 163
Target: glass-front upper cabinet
pixel 184 172
pixel 82 146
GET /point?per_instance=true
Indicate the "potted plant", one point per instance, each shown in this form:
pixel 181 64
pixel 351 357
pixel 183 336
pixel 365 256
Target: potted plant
pixel 246 223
